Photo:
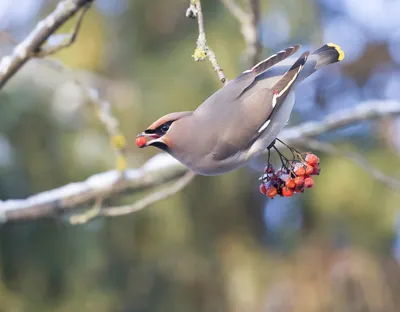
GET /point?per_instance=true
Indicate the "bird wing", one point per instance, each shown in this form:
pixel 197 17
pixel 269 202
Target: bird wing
pixel 256 105
pixel 246 80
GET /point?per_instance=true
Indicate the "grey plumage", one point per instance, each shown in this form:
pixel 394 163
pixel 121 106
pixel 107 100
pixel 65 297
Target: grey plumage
pixel 243 118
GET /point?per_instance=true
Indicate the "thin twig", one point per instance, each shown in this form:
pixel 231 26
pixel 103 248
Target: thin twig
pixel 10 64
pixel 358 159
pixel 164 169
pixel 367 110
pixel 248 26
pixel 154 196
pixel 46 51
pixel 89 214
pixel 203 50
pixel 159 170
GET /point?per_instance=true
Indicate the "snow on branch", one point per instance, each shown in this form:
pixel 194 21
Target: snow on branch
pixel 32 45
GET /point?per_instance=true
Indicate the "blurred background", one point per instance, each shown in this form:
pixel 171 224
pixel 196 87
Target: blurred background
pixel 218 245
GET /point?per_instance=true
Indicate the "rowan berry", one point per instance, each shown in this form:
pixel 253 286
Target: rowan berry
pixel 287 192
pixel 308 182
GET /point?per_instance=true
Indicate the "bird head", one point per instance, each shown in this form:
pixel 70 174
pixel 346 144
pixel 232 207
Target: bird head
pixel 161 132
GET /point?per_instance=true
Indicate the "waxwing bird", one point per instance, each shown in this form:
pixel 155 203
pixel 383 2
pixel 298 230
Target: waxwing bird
pixel 242 119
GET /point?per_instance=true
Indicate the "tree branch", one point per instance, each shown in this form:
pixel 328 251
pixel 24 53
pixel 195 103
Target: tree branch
pixel 163 168
pixel 68 41
pixel 160 169
pixel 367 110
pixel 153 197
pixel 358 159
pixel 203 50
pixel 32 44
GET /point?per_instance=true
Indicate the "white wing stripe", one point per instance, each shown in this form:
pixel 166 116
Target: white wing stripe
pixel 264 126
pixel 290 82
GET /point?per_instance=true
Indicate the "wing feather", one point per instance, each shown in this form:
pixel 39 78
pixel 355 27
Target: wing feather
pixel 252 74
pixel 254 113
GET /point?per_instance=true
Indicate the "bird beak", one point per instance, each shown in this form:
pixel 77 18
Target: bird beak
pixel 146 139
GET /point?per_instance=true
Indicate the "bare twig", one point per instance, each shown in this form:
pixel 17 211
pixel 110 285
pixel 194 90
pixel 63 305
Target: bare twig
pixel 32 44
pixel 163 169
pixel 46 51
pixel 203 50
pixel 146 201
pixel 89 214
pixel 153 197
pixel 356 158
pixel 248 26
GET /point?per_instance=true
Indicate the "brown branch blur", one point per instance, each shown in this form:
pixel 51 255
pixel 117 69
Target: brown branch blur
pixel 33 43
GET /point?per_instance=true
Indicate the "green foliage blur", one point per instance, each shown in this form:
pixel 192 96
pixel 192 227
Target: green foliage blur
pixel 208 247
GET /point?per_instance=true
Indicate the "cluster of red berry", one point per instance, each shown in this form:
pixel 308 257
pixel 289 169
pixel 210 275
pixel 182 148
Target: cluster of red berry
pixel 292 178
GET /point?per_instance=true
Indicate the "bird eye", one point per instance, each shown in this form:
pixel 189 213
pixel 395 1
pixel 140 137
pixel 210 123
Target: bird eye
pixel 165 128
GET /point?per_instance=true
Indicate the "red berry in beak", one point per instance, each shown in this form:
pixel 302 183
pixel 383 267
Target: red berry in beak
pixel 141 141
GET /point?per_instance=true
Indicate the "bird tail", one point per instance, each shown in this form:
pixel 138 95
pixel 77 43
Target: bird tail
pixel 327 54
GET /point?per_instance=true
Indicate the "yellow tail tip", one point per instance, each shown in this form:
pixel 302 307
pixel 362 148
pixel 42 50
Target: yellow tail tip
pixel 338 49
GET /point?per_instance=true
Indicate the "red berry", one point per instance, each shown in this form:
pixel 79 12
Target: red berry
pixel 287 192
pixel 312 159
pixel 299 189
pixel 272 177
pixel 269 169
pixel 309 170
pixel 299 181
pixel 141 141
pixel 290 183
pixel 300 171
pixel 263 189
pixel 271 192
pixel 308 182
pixel 317 170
